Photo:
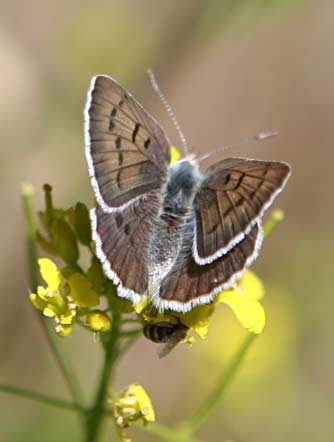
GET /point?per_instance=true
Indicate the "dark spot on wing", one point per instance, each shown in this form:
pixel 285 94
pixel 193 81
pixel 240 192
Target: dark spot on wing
pixel 227 179
pixel 214 228
pixel 111 125
pixel 118 142
pixel 240 180
pixel 135 131
pixel 240 202
pixel 118 177
pixel 118 147
pixel 147 143
pixel 119 220
pixel 127 229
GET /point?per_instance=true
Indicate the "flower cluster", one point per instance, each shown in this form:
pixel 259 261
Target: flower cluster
pixel 132 405
pixel 68 300
pixel 70 295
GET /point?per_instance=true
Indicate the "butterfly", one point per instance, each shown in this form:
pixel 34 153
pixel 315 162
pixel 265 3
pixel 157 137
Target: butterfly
pixel 169 231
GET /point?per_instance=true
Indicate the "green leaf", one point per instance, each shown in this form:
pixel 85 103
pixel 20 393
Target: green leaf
pixel 82 224
pixel 64 241
pixel 96 276
pixel 46 245
pixel 116 303
pixel 68 271
pixel 46 219
pixel 69 216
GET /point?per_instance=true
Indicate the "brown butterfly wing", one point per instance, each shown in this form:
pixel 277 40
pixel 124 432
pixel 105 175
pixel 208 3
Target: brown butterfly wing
pixel 121 241
pixel 189 284
pixel 127 151
pixel 233 197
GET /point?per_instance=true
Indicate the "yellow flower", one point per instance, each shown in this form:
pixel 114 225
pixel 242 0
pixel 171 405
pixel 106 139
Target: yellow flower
pixel 132 405
pixel 81 291
pixel 243 300
pixel 51 300
pixel 61 302
pixel 174 155
pixel 198 319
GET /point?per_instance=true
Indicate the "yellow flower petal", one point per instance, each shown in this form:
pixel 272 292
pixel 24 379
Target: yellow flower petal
pixel 249 285
pixel 38 303
pixel 81 291
pixel 247 310
pixel 174 155
pixel 141 305
pixel 201 328
pixel 68 317
pixel 198 319
pixel 143 400
pixel 49 311
pixel 50 273
pixel 189 340
pixel 252 286
pixel 44 294
pixel 63 330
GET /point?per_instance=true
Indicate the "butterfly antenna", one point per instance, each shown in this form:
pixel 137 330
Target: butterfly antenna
pixel 169 110
pixel 259 137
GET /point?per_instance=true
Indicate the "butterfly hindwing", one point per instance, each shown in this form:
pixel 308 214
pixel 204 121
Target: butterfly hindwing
pixel 233 196
pixel 122 240
pixel 189 284
pixel 127 151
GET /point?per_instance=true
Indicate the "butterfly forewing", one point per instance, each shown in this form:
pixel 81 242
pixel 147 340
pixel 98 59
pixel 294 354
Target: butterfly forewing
pixel 233 196
pixel 122 241
pixel 189 284
pixel 127 151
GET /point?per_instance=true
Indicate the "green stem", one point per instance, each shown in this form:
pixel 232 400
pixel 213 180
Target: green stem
pixel 134 332
pixel 52 338
pixel 48 204
pixel 274 218
pixel 198 419
pixel 27 394
pixel 111 353
pixel 27 192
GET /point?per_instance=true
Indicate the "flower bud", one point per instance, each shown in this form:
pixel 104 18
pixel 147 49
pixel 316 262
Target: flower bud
pixel 98 321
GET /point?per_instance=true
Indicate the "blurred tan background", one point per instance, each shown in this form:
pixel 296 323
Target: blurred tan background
pixel 230 69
